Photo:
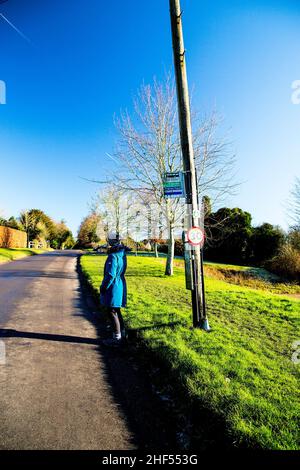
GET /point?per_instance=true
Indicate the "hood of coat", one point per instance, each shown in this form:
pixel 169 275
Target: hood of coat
pixel 118 248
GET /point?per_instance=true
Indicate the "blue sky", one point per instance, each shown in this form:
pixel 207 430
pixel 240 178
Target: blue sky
pixel 87 59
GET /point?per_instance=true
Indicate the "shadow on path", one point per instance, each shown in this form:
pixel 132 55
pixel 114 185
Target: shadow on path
pixel 145 415
pixel 7 333
pixel 35 273
pixel 151 426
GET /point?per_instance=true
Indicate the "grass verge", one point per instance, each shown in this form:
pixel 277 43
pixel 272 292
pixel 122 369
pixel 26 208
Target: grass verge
pixel 239 378
pixel 11 254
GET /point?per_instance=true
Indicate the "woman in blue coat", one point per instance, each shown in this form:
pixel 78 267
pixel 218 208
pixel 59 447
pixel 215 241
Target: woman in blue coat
pixel 113 291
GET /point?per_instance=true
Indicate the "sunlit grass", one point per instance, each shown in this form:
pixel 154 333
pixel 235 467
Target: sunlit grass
pixel 10 254
pixel 242 371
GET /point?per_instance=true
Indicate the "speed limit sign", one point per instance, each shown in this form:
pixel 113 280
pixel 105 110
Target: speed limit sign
pixel 195 236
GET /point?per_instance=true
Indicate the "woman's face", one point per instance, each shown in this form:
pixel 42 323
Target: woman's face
pixel 113 242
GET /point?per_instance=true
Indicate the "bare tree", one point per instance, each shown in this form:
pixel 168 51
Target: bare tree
pixel 149 146
pixel 116 210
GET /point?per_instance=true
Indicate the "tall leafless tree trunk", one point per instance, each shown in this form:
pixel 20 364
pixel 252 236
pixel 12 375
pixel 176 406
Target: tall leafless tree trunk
pixel 170 257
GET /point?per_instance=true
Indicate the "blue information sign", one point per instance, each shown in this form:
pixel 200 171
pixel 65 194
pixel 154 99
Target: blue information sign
pixel 174 185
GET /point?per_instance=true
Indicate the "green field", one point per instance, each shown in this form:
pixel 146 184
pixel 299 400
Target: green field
pixel 10 254
pixel 240 375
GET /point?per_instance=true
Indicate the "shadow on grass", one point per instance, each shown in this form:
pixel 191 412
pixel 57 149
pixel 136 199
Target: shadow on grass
pixel 139 375
pixel 135 333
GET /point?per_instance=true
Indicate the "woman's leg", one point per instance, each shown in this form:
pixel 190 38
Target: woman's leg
pixel 121 320
pixel 114 314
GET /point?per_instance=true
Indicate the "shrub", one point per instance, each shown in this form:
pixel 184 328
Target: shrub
pixel 178 251
pixel 264 243
pixel 286 263
pixel 294 238
pixel 179 248
pixel 128 241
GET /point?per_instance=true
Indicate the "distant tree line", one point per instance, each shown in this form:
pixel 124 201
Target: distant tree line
pixel 41 229
pixel 230 236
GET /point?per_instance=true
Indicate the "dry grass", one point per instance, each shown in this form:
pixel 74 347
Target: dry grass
pixel 245 276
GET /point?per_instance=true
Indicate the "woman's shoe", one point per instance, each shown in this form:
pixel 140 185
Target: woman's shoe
pixel 112 342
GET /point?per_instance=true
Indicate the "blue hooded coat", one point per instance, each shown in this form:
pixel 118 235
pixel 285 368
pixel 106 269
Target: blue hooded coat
pixel 113 292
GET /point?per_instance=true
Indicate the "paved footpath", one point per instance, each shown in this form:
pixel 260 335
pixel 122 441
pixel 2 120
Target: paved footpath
pixel 54 389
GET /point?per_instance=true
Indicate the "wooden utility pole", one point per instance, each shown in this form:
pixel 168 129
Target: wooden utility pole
pixel 199 316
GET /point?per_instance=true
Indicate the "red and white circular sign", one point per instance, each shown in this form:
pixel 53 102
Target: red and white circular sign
pixel 195 236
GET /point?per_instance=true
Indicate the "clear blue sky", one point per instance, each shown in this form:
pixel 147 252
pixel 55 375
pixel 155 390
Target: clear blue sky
pixel 89 57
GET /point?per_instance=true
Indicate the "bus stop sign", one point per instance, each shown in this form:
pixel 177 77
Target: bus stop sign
pixel 174 186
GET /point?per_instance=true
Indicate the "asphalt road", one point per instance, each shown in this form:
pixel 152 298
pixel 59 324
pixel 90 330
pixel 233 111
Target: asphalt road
pixel 55 389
